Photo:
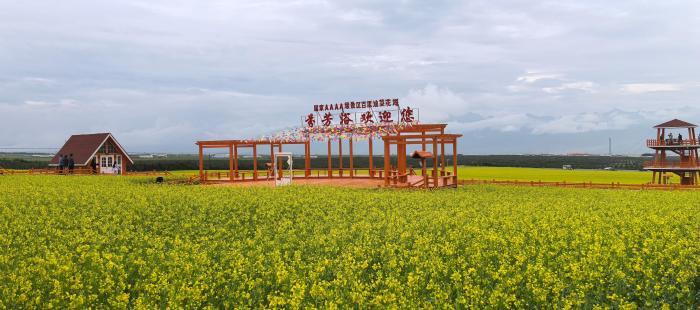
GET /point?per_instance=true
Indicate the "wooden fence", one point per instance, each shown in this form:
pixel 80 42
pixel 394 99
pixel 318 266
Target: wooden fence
pixel 611 185
pixel 76 171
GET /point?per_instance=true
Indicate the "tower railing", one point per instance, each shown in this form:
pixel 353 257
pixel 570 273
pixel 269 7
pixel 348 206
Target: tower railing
pixel 672 142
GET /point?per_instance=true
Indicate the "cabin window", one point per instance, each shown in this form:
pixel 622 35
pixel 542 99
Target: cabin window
pixel 119 160
pixel 107 148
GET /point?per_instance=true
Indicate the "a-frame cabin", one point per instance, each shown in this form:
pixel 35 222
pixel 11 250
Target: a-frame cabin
pixel 98 151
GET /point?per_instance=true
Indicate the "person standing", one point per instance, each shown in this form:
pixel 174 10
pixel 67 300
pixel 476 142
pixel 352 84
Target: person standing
pixel 71 164
pixel 680 139
pixel 61 163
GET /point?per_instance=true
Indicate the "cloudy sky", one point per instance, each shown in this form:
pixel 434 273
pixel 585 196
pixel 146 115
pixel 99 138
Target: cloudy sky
pixel 513 76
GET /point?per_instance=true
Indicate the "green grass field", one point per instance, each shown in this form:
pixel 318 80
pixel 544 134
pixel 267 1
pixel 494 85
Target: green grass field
pixel 117 242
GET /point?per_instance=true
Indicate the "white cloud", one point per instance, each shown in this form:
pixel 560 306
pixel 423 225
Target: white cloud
pixel 640 88
pixel 532 77
pixel 585 86
pixel 63 103
pixel 362 16
pixel 564 124
pixel 586 122
pixel 436 104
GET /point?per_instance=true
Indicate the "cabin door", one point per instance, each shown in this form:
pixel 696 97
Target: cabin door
pixel 106 163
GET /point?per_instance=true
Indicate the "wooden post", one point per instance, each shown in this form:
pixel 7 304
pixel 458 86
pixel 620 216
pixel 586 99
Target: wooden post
pixel 201 162
pixel 340 157
pixel 454 160
pixel 423 145
pixel 387 162
pixel 307 159
pixel 330 163
pixel 255 161
pixel 401 158
pixel 371 166
pixel 272 162
pixel 442 152
pixel 235 159
pixel 352 173
pixel 435 162
pixel 279 167
pixel 230 163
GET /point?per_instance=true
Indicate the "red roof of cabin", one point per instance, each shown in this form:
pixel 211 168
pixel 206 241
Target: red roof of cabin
pixel 675 123
pixel 83 147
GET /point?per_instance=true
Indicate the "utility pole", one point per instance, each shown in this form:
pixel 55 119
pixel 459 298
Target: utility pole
pixel 610 146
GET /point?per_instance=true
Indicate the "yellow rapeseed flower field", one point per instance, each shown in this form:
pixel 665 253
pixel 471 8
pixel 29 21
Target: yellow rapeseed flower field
pixel 111 242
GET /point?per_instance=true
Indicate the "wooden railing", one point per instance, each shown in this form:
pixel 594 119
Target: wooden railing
pixel 671 142
pixel 262 175
pixel 51 171
pixel 611 185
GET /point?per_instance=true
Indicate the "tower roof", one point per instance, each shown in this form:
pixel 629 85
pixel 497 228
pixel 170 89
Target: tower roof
pixel 676 123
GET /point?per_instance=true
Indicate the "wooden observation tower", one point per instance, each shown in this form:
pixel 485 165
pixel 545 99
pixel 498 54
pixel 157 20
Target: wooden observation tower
pixel 685 164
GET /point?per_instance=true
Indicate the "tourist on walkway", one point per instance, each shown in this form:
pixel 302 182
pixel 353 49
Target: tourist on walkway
pixel 71 164
pixel 680 139
pixel 61 163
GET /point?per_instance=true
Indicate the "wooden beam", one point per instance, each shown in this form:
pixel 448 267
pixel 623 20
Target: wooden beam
pixel 307 159
pixel 330 162
pixel 201 163
pixel 255 162
pixel 273 162
pixel 371 165
pixel 435 163
pixel 442 154
pixel 352 172
pixel 454 160
pixel 387 162
pixel 340 157
pixel 401 160
pixel 419 137
pixel 280 168
pixel 230 162
pixel 235 160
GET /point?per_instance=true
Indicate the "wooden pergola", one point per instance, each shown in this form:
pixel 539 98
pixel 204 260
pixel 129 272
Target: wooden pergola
pixel 234 146
pixel 418 134
pixel 423 134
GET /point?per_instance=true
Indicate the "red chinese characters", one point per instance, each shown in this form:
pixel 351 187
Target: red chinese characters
pixel 385 117
pixel 310 120
pixel 345 118
pixel 407 115
pixel 367 118
pixel 327 119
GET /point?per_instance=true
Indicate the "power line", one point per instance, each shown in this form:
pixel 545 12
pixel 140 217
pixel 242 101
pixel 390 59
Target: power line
pixel 28 148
